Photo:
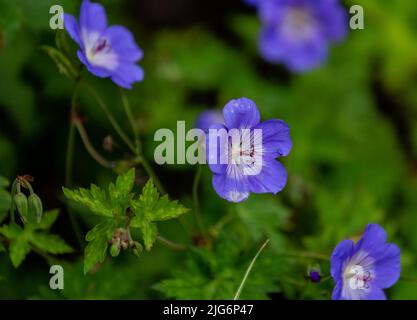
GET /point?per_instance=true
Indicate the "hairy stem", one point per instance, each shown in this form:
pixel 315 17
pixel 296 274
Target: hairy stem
pixel 89 147
pixel 196 210
pixel 110 117
pixel 131 119
pixel 69 163
pixel 248 270
pixel 171 244
pixel 306 255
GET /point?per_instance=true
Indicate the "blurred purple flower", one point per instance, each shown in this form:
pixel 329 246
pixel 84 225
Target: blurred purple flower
pixel 256 170
pixel 105 51
pixel 208 118
pixel 297 33
pixel 361 271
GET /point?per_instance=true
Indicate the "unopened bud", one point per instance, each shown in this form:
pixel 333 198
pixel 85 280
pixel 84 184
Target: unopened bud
pixel 114 250
pixel 137 248
pixel 22 205
pixel 35 207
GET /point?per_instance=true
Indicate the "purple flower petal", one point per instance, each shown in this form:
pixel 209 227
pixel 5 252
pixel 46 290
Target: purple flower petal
pixel 214 153
pixel 271 179
pixel 208 118
pixel 232 186
pixel 123 43
pixel 92 16
pixel 276 140
pixel 374 293
pixel 374 237
pixel 337 291
pixel 388 266
pixel 71 25
pixel 241 113
pixel 126 74
pixel 339 256
pixel 297 55
pixel 97 71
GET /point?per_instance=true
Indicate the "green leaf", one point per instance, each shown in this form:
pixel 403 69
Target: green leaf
pixel 264 217
pixel 120 193
pixel 98 237
pixel 153 208
pixel 150 232
pixel 98 201
pixel 62 62
pixel 18 250
pixel 48 220
pixel 217 273
pixel 94 199
pixel 50 243
pixel 11 231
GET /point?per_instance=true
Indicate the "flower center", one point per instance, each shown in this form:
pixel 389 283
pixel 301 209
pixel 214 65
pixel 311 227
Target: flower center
pixel 98 50
pixel 240 156
pixel 357 277
pixel 298 23
pixel 101 46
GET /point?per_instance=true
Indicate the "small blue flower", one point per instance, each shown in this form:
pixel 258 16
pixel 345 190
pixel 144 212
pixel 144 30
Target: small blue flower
pixel 297 33
pixel 315 276
pixel 361 271
pixel 208 118
pixel 106 51
pixel 250 167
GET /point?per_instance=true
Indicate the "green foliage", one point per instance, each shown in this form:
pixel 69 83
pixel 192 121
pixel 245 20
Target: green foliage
pixel 217 273
pixel 150 208
pixel 5 199
pixel 62 62
pixel 120 207
pixel 33 237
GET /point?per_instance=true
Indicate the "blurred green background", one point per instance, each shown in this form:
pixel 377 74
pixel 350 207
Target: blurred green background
pixel 353 123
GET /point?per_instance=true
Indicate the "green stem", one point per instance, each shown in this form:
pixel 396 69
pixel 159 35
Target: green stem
pixel 138 149
pixel 306 255
pixel 131 119
pixel 171 244
pixel 12 205
pixel 196 210
pixel 89 147
pixel 69 163
pixel 245 277
pixel 110 117
pixel 151 173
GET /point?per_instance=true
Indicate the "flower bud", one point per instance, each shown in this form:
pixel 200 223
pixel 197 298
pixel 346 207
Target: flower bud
pixel 22 205
pixel 137 248
pixel 114 250
pixel 315 276
pixel 35 208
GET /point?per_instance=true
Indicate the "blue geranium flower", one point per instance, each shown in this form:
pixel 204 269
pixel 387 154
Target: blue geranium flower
pixel 251 164
pixel 297 33
pixel 106 51
pixel 361 271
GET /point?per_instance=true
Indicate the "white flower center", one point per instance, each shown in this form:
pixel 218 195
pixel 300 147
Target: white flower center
pixel 358 274
pixel 98 50
pixel 298 24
